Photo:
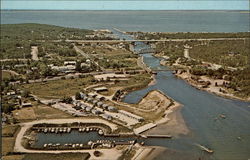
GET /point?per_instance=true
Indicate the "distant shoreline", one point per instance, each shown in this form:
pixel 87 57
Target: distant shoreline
pixel 247 11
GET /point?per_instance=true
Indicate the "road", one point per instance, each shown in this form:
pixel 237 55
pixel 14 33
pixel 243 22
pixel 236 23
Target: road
pixel 106 153
pixel 154 40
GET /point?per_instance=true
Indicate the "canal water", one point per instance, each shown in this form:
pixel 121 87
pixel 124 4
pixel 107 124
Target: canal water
pixel 229 137
pixel 200 111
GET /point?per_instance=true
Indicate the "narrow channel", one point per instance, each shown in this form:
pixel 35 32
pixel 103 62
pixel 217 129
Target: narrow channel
pixel 200 111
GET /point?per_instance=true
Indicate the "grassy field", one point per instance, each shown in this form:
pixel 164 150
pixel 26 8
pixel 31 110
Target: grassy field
pixel 135 82
pixel 59 88
pixel 45 112
pixel 13 157
pixel 38 111
pixel 6 75
pixel 226 53
pixel 62 156
pixel 8 139
pixel 17 38
pixel 9 130
pixel 181 35
pixel 24 114
pixel 8 145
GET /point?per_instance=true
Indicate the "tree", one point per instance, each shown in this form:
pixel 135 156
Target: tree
pixel 25 94
pixel 67 100
pixel 78 67
pixel 78 96
pixel 7 108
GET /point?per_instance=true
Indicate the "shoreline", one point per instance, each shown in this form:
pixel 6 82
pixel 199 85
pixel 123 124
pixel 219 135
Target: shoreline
pixel 232 97
pixel 187 79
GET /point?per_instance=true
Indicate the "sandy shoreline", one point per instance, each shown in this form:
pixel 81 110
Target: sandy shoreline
pixel 210 89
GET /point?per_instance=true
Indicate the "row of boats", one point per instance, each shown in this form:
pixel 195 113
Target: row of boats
pixel 55 130
pixel 68 130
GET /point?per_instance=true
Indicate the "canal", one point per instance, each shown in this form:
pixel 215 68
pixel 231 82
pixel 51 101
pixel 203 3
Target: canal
pixel 200 111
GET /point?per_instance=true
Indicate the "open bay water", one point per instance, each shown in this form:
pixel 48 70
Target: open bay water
pixel 200 109
pixel 148 21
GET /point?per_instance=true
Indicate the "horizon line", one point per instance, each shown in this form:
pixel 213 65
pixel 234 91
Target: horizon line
pixel 121 10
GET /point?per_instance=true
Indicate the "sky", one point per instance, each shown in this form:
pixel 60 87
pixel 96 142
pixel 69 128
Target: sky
pixel 126 5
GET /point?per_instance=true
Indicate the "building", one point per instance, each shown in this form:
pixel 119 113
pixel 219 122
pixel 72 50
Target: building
pixel 99 104
pixel 112 109
pixel 66 63
pixel 82 95
pixel 101 89
pixel 26 105
pixel 106 116
pixel 96 112
pixel 88 108
pixel 105 106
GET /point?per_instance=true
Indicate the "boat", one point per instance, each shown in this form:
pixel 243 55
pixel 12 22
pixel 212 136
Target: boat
pixel 204 148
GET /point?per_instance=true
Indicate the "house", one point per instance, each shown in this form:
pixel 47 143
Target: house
pixel 11 93
pixel 99 104
pixel 26 105
pixel 104 106
pixel 100 98
pixel 94 102
pixel 83 106
pixel 93 95
pixel 89 99
pixel 96 112
pixel 101 89
pixel 82 95
pixel 106 116
pixel 112 109
pixel 66 63
pixel 85 65
pixel 77 107
pixel 88 108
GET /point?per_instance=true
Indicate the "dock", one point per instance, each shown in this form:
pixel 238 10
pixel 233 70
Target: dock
pixel 157 136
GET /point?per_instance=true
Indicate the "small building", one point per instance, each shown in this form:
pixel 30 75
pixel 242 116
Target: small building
pixel 99 104
pixel 77 107
pixel 106 116
pixel 96 112
pixel 26 105
pixel 93 95
pixel 88 108
pixel 85 98
pixel 105 106
pixel 82 95
pixel 100 98
pixel 94 102
pixel 101 89
pixel 89 99
pixel 11 93
pixel 112 109
pixel 83 106
pixel 85 65
pixel 69 63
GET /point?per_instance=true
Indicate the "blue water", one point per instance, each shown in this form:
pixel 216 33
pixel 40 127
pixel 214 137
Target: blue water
pixel 155 21
pixel 200 108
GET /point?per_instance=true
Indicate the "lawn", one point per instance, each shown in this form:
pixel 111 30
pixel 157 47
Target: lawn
pixel 59 88
pixel 8 145
pixel 62 156
pixel 13 157
pixel 24 114
pixel 9 130
pixel 45 112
